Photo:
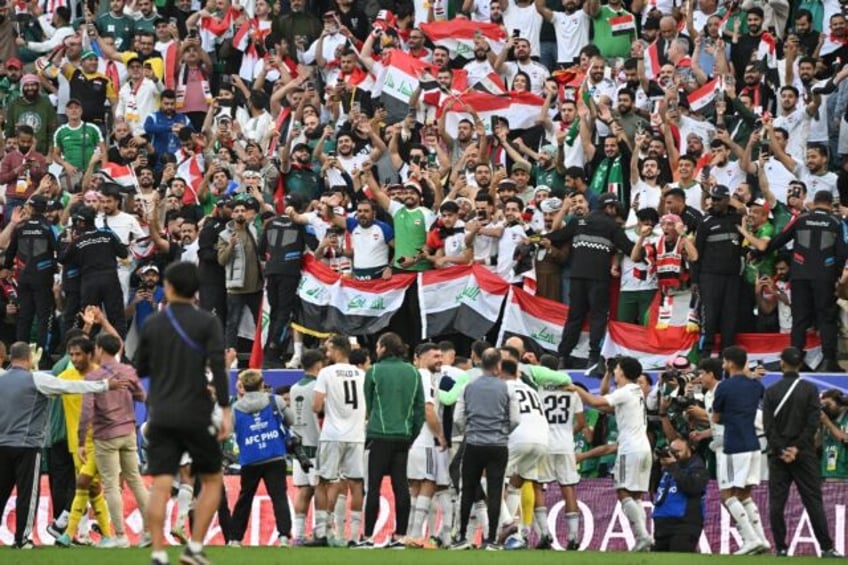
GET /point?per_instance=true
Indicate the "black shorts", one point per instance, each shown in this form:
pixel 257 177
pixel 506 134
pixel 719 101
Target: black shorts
pixel 166 446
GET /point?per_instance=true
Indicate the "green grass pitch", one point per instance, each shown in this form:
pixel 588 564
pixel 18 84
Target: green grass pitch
pixel 308 556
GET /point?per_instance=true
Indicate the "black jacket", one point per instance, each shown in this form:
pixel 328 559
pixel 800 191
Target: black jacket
pixel 719 245
pixel 281 247
pixel 211 272
pixel 797 422
pixel 34 246
pixel 96 252
pixel 819 249
pixel 594 239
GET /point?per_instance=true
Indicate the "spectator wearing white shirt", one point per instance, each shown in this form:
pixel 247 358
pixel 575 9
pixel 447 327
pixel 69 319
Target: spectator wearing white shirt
pixel 795 119
pixel 61 29
pixel 371 239
pixel 522 15
pixel 260 126
pixel 646 192
pixel 571 26
pixel 537 72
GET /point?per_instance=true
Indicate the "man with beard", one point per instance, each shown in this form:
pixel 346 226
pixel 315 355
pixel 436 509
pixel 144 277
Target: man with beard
pixel 571 27
pixel 411 221
pixel 10 83
pixel 346 159
pixel 791 415
pixel 299 176
pixel 597 85
pixel 35 110
pixel 674 201
pixel 164 126
pixel 145 42
pixel 522 15
pixel 238 253
pixel 717 272
pixel 213 295
pixel 610 171
pixel 180 246
pixel 722 169
pixel 446 240
pixel 615 29
pixel 92 88
pixel 480 67
pixel 371 240
pixel 299 27
pixel 746 45
pixel 123 225
pixel 148 296
pixel 21 171
pixel 33 248
pixel 762 96
pixel 594 239
pixel 795 120
pixel 464 136
pixel 626 115
pixel 547 170
pixel 834 46
pixel 834 421
pixel 643 90
pixel 520 47
pixel 96 253
pixel 646 192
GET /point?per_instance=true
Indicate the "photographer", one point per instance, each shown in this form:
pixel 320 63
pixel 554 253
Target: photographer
pixel 147 298
pixel 680 498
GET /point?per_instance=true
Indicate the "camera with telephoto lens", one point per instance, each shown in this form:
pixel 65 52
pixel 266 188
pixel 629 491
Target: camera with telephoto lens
pixel 662 452
pixel 680 404
pixel 294 445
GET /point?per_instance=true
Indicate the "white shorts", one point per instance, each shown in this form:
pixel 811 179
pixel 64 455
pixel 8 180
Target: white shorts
pixel 428 464
pixel 524 459
pixel 301 479
pixel 340 460
pixel 633 471
pixel 559 467
pixel 738 470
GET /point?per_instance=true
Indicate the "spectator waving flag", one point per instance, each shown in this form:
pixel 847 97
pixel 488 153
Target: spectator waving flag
pixel 465 299
pixel 458 36
pixel 255 30
pixel 191 171
pixel 705 95
pixel 491 84
pixel 214 28
pixel 521 109
pixel 400 75
pixel 349 306
pixel 120 174
pixel 767 51
pixel 652 61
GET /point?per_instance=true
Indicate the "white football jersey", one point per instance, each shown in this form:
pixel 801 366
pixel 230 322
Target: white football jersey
pixel 533 428
pixel 560 408
pixel 344 403
pixel 631 417
pixel 305 420
pixel 425 438
pixel 718 429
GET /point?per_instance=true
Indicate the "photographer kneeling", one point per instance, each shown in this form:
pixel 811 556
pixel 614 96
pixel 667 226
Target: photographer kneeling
pixel 679 501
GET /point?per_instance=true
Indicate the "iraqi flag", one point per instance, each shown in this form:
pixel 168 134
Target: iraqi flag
pixel 347 306
pixel 458 36
pixel 212 29
pixel 465 299
pixel 631 340
pixel 191 171
pixel 260 336
pixel 652 61
pixel 490 84
pixel 767 348
pixel 705 95
pixel 539 320
pixel 400 75
pixel 255 30
pixel 120 174
pixel 521 109
pixel 623 24
pixel 767 50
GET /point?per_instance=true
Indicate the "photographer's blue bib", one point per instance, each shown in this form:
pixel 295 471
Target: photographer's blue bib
pixel 259 436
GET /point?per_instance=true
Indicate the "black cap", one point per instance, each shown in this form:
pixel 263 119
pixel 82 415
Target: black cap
pixel 38 202
pixel 792 356
pixel 719 191
pixel 252 203
pixel 300 147
pixel 84 215
pixel 607 198
pixel 295 201
pixel 53 205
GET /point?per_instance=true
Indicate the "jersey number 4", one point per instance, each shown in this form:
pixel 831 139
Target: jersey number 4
pixel 557 408
pixel 351 394
pixel 528 402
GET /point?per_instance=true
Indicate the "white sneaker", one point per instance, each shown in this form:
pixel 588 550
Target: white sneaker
pixel 644 544
pixel 765 546
pixel 233 543
pixel 749 547
pixel 283 542
pixel 294 362
pixel 120 542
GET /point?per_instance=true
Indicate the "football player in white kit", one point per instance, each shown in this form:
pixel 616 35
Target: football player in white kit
pixel 634 459
pixel 306 426
pixel 339 394
pixel 427 464
pixel 564 413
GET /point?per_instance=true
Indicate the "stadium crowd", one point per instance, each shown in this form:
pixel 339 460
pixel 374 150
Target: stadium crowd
pixel 656 163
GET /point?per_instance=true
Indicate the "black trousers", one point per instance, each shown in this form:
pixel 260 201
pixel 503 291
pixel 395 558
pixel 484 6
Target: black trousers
pixel 478 458
pixel 282 298
pixel 20 468
pixel 61 477
pixel 720 305
pixel 235 305
pixel 585 298
pixel 806 474
pixel 105 289
pixel 72 308
pixel 676 535
pixel 813 303
pixel 36 302
pixel 213 298
pixel 225 519
pixel 455 472
pixel 387 457
pixel 273 474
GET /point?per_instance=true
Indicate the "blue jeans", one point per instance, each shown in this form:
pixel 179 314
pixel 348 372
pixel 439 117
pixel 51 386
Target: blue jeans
pixel 548 54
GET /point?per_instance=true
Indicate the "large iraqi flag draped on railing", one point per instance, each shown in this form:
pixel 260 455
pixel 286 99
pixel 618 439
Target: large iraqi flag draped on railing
pixel 540 320
pixel 521 109
pixel 457 36
pixel 334 303
pixel 464 299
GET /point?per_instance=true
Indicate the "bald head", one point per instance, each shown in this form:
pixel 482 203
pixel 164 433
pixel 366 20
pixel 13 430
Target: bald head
pixel 517 343
pixel 491 361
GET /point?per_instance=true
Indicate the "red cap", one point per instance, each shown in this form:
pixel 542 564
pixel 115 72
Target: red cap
pixel 14 62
